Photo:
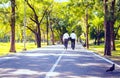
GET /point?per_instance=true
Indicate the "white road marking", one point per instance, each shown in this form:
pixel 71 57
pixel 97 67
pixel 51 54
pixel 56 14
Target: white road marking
pixel 50 73
pixel 109 61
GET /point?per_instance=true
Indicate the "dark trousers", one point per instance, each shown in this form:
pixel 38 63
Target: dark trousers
pixel 73 44
pixel 66 43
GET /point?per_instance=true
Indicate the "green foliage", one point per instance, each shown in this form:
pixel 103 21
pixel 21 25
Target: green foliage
pixel 78 30
pixel 93 33
pixel 3 1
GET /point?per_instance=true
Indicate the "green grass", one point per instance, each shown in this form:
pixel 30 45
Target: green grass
pixel 5 47
pixel 100 50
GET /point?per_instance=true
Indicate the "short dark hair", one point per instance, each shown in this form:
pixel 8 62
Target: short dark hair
pixel 72 30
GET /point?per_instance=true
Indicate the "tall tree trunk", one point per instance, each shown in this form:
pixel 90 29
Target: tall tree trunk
pixel 47 28
pixel 87 30
pixel 38 36
pixel 107 49
pixel 52 33
pixel 12 25
pixel 37 40
pixel 112 36
pixel 112 25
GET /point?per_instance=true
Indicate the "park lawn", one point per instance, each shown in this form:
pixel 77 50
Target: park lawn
pixel 5 47
pixel 100 50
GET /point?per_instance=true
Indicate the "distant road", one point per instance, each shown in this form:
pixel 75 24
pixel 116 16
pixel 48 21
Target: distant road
pixel 56 62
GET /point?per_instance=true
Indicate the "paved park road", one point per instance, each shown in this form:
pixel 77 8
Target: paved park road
pixel 56 62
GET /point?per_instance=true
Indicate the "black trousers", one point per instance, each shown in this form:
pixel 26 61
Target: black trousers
pixel 66 43
pixel 73 44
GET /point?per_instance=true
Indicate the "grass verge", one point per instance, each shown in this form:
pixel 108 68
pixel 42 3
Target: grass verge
pixel 5 47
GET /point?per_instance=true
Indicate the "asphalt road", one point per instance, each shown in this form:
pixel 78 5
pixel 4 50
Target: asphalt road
pixel 56 62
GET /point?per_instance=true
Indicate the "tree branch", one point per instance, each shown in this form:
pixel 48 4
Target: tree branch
pixel 31 30
pixel 35 14
pixel 45 13
pixel 33 20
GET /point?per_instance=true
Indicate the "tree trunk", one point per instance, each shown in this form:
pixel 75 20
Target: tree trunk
pixel 87 30
pixel 37 40
pixel 47 28
pixel 112 37
pixel 107 49
pixel 12 24
pixel 112 25
pixel 52 33
pixel 38 36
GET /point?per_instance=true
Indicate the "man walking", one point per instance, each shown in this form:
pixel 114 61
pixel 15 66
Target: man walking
pixel 73 37
pixel 65 39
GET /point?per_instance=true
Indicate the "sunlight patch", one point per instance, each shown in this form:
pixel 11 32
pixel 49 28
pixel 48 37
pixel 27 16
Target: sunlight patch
pixel 61 0
pixel 88 64
pixel 53 74
pixel 26 72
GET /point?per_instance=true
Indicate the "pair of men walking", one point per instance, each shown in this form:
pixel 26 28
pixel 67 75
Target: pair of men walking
pixel 72 38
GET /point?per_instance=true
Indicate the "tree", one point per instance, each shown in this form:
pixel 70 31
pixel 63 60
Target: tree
pixel 107 50
pixel 88 6
pixel 59 19
pixel 49 25
pixel 35 19
pixel 12 25
pixel 109 9
pixel 52 33
pixel 97 28
pixel 4 25
pixel 87 27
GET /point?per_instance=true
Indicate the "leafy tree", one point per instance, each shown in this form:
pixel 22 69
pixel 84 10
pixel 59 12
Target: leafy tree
pixel 83 9
pixel 60 19
pixel 97 29
pixel 94 34
pixel 4 19
pixel 108 23
pixel 35 19
pixel 117 18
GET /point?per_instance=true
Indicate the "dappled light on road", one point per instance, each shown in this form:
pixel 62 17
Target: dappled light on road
pixel 56 62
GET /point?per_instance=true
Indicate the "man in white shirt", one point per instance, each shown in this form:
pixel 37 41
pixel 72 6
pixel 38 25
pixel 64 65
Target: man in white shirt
pixel 73 37
pixel 65 39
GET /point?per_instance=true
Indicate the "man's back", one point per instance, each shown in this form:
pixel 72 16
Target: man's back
pixel 73 36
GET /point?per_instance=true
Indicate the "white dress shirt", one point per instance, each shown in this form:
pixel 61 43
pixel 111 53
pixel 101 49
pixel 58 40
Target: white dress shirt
pixel 65 36
pixel 73 36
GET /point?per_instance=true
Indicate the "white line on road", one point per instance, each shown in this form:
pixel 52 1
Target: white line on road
pixel 109 61
pixel 54 66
